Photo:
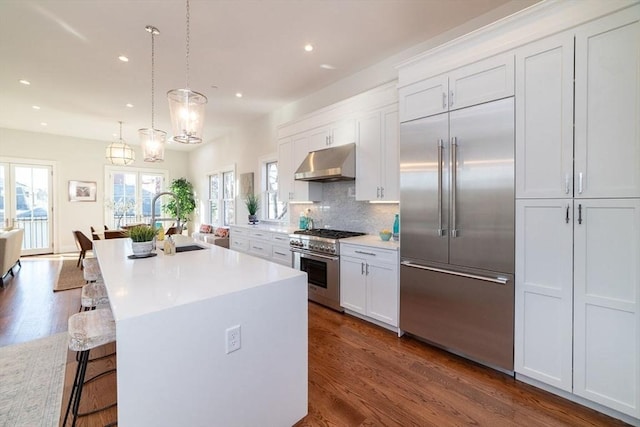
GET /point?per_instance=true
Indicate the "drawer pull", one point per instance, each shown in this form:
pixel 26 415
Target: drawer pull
pixel 280 253
pixel 365 253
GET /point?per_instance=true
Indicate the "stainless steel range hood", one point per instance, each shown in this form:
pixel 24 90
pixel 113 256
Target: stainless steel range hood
pixel 330 164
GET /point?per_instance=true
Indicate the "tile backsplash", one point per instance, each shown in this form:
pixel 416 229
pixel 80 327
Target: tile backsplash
pixel 339 210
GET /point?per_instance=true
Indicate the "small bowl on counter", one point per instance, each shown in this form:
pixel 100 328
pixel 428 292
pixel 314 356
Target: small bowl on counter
pixel 385 235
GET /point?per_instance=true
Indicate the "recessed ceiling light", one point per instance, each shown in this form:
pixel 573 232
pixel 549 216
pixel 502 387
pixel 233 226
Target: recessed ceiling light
pixel 129 105
pixel 238 95
pixel 123 58
pixel 35 107
pixel 25 82
pixel 43 124
pixel 308 47
pixel 327 66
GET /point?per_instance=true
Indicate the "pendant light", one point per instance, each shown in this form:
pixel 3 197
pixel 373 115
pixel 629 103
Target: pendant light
pixel 152 139
pixel 119 153
pixel 187 108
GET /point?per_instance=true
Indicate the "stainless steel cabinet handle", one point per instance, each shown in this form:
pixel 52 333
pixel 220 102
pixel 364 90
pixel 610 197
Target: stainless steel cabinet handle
pixel 280 253
pixel 377 192
pixel 454 184
pixel 451 98
pixel 580 213
pixel 567 186
pixel 362 268
pixel 367 269
pixel 365 253
pixel 580 183
pixel 382 192
pixel 444 100
pixel 566 219
pixel 441 231
pixel 499 280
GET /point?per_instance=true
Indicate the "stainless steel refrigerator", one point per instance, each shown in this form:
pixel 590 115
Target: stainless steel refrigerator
pixel 457 231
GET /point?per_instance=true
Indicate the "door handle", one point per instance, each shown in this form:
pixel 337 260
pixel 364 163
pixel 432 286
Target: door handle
pixel 580 213
pixel 382 192
pixel 566 219
pixel 567 185
pixel 499 280
pixel 444 100
pixel 441 231
pixel 580 183
pixel 451 98
pixel 367 269
pixel 454 181
pixel 362 268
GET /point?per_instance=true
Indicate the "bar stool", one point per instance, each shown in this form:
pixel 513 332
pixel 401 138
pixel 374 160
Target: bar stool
pixel 91 270
pixel 92 295
pixel 87 330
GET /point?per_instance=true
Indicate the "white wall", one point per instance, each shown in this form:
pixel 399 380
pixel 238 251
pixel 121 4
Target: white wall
pixel 82 160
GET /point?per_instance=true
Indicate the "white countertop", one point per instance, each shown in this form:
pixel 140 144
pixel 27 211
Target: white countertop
pixel 141 286
pixel 274 228
pixel 372 240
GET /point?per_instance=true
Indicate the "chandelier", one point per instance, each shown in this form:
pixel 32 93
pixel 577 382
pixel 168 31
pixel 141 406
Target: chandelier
pixel 187 108
pixel 152 139
pixel 119 153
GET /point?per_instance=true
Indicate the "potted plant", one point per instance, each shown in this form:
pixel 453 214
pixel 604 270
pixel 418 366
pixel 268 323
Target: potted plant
pixel 253 205
pixel 186 201
pixel 142 237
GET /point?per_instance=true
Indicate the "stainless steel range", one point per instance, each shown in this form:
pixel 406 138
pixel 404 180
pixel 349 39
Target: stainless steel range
pixel 317 253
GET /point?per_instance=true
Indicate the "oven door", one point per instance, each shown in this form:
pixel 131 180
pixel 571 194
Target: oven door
pixel 323 275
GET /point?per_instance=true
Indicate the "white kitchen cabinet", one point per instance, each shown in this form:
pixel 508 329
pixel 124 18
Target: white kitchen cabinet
pixel 369 282
pixel 544 118
pixel 544 291
pixel 291 153
pixel 271 245
pixel 377 167
pixel 335 134
pixel 481 81
pixel 607 107
pixel 607 303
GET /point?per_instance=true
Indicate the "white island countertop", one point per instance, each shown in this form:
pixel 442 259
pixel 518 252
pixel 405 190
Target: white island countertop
pixel 175 319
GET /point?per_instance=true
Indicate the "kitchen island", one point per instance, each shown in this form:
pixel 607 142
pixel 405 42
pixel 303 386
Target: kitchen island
pixel 173 315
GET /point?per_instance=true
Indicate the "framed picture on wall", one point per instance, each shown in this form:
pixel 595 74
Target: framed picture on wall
pixel 82 191
pixel 246 184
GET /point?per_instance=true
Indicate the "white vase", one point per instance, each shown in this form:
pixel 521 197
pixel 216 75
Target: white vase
pixel 142 248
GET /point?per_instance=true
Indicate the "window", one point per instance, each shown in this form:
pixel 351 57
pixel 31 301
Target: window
pixel 222 197
pixel 273 207
pixel 129 195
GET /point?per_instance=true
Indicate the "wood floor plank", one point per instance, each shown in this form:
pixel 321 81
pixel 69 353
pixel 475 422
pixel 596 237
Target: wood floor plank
pixel 359 374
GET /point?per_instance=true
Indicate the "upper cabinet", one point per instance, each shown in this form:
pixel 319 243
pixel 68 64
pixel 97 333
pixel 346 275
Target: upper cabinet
pixel 544 118
pixel 377 166
pixel 603 158
pixel 607 111
pixel 337 133
pixel 291 152
pixel 482 81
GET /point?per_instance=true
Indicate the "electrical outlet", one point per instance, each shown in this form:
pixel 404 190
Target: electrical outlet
pixel 232 339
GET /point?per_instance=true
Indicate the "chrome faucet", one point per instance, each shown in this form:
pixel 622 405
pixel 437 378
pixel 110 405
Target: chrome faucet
pixel 153 209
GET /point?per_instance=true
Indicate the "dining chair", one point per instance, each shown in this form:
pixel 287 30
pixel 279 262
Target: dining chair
pixel 94 234
pixel 84 244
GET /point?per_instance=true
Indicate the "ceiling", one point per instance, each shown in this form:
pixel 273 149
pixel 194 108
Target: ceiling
pixel 68 50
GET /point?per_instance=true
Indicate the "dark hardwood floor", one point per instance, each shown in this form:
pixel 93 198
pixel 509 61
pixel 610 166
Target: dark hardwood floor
pixel 359 374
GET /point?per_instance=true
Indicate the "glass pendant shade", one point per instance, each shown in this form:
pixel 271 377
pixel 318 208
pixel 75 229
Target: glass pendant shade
pixel 187 115
pixel 152 141
pixel 119 153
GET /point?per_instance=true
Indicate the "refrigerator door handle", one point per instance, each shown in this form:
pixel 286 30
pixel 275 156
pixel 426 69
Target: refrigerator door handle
pixel 454 180
pixel 499 280
pixel 441 231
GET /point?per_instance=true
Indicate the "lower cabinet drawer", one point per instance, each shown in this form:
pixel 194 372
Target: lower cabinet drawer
pixel 260 248
pixel 239 244
pixel 282 255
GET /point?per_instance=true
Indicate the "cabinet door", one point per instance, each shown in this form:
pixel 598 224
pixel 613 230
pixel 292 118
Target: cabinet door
pixel 285 169
pixel 607 145
pixel 368 157
pixel 317 139
pixel 390 151
pixel 482 81
pixel 353 292
pixel 423 99
pixel 544 118
pixel 382 292
pixel 343 132
pixel 544 291
pixel 607 300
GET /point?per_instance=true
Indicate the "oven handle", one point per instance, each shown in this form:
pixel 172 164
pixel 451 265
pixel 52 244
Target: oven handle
pixel 311 256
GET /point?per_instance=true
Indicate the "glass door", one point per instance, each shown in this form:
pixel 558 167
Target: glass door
pixel 25 202
pixel 129 196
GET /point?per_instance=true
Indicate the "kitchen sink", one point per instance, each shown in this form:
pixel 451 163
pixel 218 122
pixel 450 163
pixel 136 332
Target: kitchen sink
pixel 187 248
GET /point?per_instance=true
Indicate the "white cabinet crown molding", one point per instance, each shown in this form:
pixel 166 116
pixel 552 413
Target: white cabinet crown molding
pixel 531 24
